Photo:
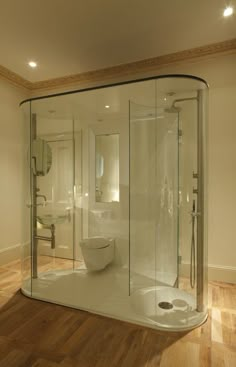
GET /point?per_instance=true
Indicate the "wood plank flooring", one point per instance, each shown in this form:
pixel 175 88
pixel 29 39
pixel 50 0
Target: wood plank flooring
pixel 39 334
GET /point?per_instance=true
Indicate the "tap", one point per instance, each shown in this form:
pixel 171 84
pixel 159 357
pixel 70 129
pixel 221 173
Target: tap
pixel 41 196
pixel 44 198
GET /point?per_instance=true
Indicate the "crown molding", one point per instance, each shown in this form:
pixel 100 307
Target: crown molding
pixel 139 67
pixel 15 78
pixel 123 70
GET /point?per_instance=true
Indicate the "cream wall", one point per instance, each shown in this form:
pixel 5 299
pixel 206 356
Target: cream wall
pixel 222 177
pixel 11 163
pixel 221 186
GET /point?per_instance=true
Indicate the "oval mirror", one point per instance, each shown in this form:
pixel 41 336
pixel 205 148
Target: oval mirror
pixel 41 157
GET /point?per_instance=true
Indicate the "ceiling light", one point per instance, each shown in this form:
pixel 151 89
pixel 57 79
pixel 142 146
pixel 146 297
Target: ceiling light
pixel 32 64
pixel 107 106
pixel 228 11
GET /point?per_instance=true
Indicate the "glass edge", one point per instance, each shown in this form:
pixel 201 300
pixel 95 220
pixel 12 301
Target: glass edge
pixel 186 76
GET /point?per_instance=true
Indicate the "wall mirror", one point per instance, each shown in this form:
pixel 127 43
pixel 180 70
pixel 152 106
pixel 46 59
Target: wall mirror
pixel 107 168
pixel 41 157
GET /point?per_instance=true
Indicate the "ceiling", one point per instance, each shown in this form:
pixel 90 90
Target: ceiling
pixel 73 36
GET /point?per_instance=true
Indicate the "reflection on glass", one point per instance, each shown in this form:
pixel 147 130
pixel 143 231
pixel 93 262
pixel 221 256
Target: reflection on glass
pixel 41 156
pixel 107 168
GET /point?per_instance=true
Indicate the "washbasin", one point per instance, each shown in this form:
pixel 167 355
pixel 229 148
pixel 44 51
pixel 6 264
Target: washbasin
pixel 49 219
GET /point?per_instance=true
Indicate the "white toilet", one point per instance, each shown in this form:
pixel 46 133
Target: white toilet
pixel 98 252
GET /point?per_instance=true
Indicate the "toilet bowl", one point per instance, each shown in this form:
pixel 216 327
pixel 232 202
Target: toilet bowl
pixel 98 252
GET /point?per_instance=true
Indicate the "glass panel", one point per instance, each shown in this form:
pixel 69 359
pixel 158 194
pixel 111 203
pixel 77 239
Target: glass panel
pixel 26 255
pixel 142 196
pixel 202 273
pixel 188 145
pixel 78 194
pixel 166 186
pixel 107 168
pixel 153 204
pixel 53 179
pixel 165 146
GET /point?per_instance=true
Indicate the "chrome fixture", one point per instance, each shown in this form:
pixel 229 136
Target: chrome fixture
pixel 200 191
pixel 34 196
pixel 42 196
pixel 49 239
pixel 44 199
pixel 201 162
pixel 183 100
pixel 165 305
pixel 174 109
pixel 193 250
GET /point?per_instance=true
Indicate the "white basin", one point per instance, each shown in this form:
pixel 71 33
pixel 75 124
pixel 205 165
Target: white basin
pixel 49 219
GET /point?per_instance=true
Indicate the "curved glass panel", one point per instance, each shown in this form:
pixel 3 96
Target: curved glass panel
pixel 26 255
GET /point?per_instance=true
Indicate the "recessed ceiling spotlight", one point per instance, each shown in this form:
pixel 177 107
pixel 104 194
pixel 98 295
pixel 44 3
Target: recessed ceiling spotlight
pixel 32 64
pixel 165 99
pixel 228 11
pixel 107 106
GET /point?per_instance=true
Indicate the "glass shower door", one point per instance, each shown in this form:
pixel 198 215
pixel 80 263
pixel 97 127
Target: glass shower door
pixel 153 197
pixel 167 198
pixel 143 197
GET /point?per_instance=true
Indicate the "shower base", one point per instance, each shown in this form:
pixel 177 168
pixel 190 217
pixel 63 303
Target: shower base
pixel 106 293
pixel 169 308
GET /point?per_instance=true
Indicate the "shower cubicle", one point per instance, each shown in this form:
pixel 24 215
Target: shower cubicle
pixel 115 200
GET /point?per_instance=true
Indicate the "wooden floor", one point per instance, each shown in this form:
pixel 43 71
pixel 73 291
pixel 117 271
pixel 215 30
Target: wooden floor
pixel 39 334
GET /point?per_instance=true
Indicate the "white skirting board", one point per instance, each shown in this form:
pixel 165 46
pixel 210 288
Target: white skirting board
pixel 215 272
pixel 10 253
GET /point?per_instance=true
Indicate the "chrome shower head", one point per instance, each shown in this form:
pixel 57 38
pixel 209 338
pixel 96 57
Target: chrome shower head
pixel 172 109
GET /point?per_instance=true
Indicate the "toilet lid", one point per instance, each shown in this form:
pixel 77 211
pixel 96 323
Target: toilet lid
pixel 95 243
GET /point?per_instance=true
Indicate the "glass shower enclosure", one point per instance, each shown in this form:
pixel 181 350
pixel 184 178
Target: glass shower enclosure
pixel 116 200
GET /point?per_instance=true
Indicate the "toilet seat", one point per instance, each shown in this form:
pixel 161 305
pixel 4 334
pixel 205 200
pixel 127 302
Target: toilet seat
pixel 95 246
pixel 96 243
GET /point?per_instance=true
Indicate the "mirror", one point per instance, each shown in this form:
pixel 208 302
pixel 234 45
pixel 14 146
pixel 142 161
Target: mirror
pixel 41 157
pixel 107 168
